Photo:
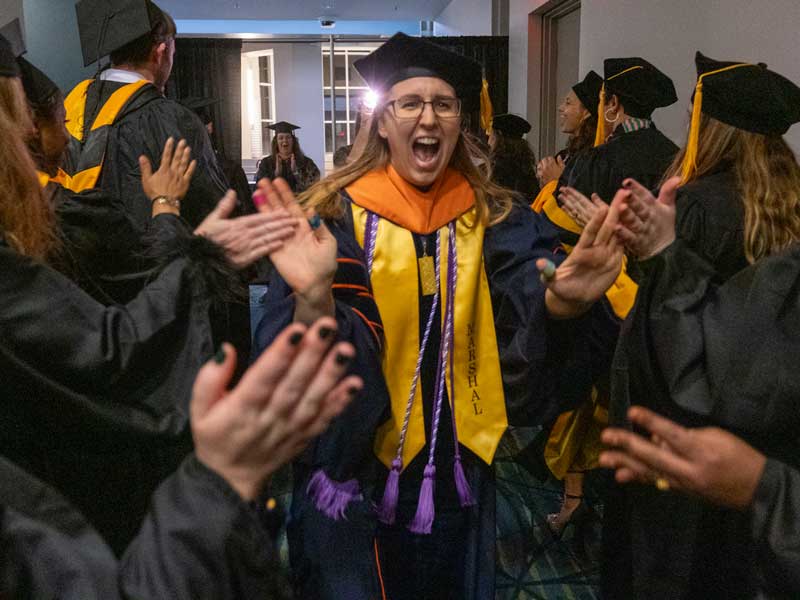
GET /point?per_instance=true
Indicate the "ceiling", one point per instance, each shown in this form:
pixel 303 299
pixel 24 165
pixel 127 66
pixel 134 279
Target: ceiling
pixel 358 10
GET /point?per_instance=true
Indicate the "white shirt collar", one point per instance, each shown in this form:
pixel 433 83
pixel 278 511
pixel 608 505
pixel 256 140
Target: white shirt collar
pixel 120 76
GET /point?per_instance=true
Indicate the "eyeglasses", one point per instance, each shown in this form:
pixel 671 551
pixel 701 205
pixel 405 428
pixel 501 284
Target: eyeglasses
pixel 411 107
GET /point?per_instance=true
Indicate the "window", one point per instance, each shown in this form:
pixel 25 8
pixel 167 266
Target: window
pixel 258 105
pixel 350 89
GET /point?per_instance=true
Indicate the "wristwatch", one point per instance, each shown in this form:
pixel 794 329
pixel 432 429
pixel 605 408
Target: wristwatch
pixel 167 201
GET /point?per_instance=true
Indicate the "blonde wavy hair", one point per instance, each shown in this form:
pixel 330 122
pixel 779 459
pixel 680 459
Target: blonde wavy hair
pixel 26 220
pixel 767 177
pixel 492 201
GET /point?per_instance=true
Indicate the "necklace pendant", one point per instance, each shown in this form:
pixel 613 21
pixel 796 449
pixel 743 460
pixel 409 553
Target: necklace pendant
pixel 427 276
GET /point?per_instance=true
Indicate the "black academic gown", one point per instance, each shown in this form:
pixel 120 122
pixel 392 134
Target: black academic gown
pixel 198 540
pixel 306 174
pixel 545 368
pixel 704 355
pixel 94 398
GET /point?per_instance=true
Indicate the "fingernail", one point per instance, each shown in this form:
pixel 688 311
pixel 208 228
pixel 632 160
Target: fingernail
pixel 549 269
pixel 343 359
pixel 353 392
pixel 315 222
pixel 295 338
pixel 626 183
pixel 219 357
pixel 325 332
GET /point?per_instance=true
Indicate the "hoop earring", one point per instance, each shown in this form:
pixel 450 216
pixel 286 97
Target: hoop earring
pixel 614 120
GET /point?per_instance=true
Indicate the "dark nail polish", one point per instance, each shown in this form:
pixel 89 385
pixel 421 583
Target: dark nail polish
pixel 325 332
pixel 219 357
pixel 353 392
pixel 343 359
pixel 295 338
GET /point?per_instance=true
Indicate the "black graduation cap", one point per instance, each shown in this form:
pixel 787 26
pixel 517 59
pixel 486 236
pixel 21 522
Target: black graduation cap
pixel 108 25
pixel 11 46
pixel 588 91
pixel 39 88
pixel 201 106
pixel 747 96
pixel 403 57
pixel 641 86
pixel 13 33
pixel 283 127
pixel 511 125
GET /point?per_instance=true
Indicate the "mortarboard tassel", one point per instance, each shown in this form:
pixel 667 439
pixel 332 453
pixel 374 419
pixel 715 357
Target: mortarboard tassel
pixel 487 111
pixel 600 133
pixel 689 165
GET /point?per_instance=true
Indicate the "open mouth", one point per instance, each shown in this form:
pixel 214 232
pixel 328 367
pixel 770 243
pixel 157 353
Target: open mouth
pixel 426 151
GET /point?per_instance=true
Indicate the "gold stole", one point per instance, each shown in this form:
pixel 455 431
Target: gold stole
pixel 479 398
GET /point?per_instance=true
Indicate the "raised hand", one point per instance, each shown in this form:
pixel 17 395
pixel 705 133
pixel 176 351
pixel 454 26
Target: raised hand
pixel 307 259
pixel 549 168
pixel 174 172
pixel 588 271
pixel 249 238
pixel 708 462
pixel 647 223
pixel 284 400
pixel 578 206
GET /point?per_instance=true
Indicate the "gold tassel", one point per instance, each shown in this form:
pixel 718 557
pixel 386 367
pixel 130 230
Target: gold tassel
pixel 689 165
pixel 487 112
pixel 600 134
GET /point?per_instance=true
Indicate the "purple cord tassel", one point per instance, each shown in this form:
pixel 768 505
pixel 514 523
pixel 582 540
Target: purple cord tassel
pixel 387 511
pixel 462 486
pixel 423 520
pixel 332 497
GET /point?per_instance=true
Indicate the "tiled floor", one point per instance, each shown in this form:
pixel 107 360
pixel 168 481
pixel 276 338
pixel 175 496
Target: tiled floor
pixel 531 564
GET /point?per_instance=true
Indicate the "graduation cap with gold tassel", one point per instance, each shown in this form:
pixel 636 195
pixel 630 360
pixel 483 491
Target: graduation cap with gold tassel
pixel 744 95
pixel 640 86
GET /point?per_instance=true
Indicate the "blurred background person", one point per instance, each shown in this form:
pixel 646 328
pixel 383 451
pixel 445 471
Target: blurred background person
pixel 287 160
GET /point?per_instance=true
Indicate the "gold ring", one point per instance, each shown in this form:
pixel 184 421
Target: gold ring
pixel 662 484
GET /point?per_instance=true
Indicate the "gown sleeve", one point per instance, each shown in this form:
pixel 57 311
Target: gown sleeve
pixel 346 447
pixel 200 540
pixel 130 367
pixel 776 525
pixel 728 352
pixel 548 366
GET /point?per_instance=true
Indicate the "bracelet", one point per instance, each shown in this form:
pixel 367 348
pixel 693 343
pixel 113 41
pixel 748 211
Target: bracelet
pixel 166 201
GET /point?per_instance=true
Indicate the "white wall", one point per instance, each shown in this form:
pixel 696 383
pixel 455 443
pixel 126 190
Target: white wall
pixel 298 92
pixel 667 34
pixel 465 17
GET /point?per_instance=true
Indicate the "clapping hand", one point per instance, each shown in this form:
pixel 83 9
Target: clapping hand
pixel 588 271
pixel 708 462
pixel 647 223
pixel 284 400
pixel 173 176
pixel 578 206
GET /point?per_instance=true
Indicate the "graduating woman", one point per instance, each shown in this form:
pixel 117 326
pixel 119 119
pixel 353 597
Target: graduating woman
pixel 577 115
pixel 93 393
pixel 686 350
pixel 287 160
pixel 435 283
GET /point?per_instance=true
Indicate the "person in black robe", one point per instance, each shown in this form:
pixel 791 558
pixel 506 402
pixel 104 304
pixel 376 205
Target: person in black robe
pixel 234 173
pixel 539 359
pixel 287 160
pixel 141 45
pixel 634 147
pixel 661 353
pixel 209 533
pixel 513 161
